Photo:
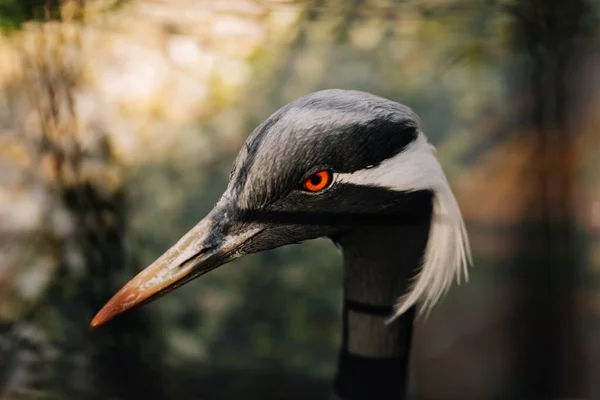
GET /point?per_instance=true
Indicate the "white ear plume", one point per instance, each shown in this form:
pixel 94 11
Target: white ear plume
pixel 448 253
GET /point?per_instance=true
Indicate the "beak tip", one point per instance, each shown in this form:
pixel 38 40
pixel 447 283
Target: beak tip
pixel 121 302
pixel 99 320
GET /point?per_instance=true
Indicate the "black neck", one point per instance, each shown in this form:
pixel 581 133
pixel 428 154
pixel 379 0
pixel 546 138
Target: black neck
pixel 374 359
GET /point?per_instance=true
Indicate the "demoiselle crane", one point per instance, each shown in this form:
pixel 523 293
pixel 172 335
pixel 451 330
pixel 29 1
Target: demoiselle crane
pixel 356 168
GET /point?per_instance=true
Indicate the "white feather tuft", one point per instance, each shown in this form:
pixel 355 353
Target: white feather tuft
pixel 448 252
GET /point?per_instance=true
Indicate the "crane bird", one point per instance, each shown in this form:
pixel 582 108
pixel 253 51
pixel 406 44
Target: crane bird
pixel 356 168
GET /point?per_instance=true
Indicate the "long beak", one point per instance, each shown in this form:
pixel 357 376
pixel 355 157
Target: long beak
pixel 202 249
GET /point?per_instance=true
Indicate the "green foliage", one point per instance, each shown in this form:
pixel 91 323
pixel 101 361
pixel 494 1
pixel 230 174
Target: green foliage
pixel 14 12
pixel 11 14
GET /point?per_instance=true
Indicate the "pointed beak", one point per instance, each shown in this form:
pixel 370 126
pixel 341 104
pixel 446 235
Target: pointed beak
pixel 209 244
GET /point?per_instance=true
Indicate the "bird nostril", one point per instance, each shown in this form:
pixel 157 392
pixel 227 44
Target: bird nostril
pixel 202 251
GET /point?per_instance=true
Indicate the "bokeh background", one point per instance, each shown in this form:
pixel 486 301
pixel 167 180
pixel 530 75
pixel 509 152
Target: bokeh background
pixel 119 121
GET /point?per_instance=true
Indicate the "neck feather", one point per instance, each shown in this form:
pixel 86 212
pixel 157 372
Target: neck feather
pixel 379 264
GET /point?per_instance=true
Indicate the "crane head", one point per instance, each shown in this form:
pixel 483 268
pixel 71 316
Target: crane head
pixel 327 163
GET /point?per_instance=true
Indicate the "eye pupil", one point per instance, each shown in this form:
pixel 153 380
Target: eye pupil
pixel 316 179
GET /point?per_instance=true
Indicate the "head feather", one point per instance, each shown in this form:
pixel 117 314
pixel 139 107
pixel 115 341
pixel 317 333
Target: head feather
pixel 448 253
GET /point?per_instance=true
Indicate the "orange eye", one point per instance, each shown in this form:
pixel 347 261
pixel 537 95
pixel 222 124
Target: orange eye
pixel 317 181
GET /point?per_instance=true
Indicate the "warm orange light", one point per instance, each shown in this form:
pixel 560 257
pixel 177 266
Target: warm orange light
pixel 317 181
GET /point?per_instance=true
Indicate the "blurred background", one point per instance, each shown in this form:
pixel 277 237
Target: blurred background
pixel 119 121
